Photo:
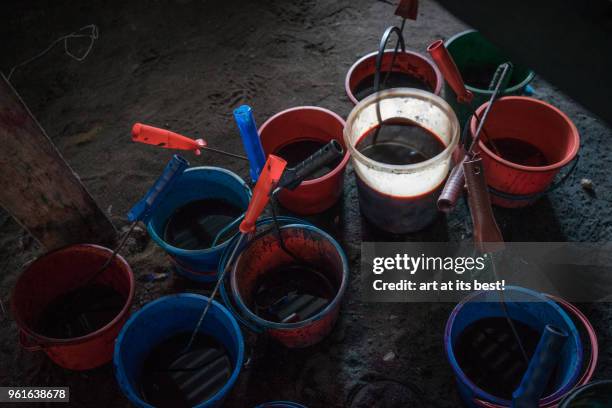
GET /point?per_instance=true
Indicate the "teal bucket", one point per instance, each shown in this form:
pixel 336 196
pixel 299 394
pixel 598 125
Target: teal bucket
pixel 158 321
pixel 194 184
pixel 474 54
pixel 280 404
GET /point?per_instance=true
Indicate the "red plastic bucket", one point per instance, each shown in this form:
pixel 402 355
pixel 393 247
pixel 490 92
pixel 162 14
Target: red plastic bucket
pixel 307 123
pixel 264 254
pixel 59 272
pixel 407 62
pixel 541 125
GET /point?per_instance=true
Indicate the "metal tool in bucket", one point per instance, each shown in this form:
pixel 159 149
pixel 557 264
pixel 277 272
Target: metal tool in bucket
pixel 301 309
pixel 273 177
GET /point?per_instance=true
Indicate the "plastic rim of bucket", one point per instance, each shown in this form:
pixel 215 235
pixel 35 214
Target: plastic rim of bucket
pixel 244 311
pixel 282 220
pixel 40 341
pixel 315 195
pixel 280 404
pixel 486 399
pixel 513 89
pixel 409 93
pixel 120 368
pixel 194 252
pixel 372 56
pixel 579 392
pixel 536 104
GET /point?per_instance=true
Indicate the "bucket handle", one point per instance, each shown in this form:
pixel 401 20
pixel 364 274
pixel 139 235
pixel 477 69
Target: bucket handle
pixel 381 51
pixel 552 187
pixel 592 364
pixel 27 344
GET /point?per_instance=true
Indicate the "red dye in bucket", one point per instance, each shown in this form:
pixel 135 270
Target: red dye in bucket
pixel 365 87
pixel 296 152
pixel 196 224
pixel 400 142
pixel 490 356
pixel 80 312
pixel 172 378
pixel 542 126
pixel 292 293
pixel 46 284
pixel 518 151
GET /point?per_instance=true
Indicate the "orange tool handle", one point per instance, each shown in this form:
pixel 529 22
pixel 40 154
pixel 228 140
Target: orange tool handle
pixel 164 138
pixel 266 183
pixel 449 70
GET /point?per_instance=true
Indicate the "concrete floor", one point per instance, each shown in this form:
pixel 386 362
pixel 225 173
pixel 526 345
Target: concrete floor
pixel 185 65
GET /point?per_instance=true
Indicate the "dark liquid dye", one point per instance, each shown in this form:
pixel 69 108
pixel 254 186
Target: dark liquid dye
pixel 296 152
pixel 80 312
pixel 395 80
pixel 292 293
pixel 195 225
pixel 478 76
pixel 518 151
pixel 400 142
pixel 489 355
pixel 173 378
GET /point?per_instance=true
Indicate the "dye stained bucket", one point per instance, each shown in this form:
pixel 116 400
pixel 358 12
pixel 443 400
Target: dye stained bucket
pixel 483 353
pixel 280 404
pixel 419 129
pixel 160 321
pixel 181 224
pixel 294 134
pixel 75 322
pixel 294 296
pixel 477 59
pixel 527 143
pixel 409 70
pixel 597 394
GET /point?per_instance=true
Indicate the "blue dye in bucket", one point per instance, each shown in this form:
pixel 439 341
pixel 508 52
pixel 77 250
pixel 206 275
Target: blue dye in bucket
pixel 197 183
pixel 160 320
pixel 280 404
pixel 525 307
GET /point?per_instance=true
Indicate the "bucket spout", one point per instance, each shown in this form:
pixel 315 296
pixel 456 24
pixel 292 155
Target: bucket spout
pixel 540 368
pixel 250 139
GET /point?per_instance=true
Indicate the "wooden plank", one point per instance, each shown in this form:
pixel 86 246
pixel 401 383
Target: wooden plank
pixel 38 188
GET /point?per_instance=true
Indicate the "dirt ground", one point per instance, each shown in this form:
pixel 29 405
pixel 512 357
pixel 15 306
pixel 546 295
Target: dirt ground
pixel 186 65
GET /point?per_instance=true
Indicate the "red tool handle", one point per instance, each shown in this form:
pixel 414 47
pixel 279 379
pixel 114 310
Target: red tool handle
pixel 449 69
pixel 165 138
pixel 266 183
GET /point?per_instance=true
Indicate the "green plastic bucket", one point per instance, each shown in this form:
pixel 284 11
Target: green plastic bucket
pixel 476 57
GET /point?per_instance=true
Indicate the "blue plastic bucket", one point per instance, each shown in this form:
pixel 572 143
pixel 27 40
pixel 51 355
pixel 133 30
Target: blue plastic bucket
pixel 280 404
pixel 161 319
pixel 263 253
pixel 194 184
pixel 525 306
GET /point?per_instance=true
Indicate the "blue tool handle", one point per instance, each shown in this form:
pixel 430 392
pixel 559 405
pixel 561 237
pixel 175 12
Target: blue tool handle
pixel 250 140
pixel 327 154
pixel 144 208
pixel 541 366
